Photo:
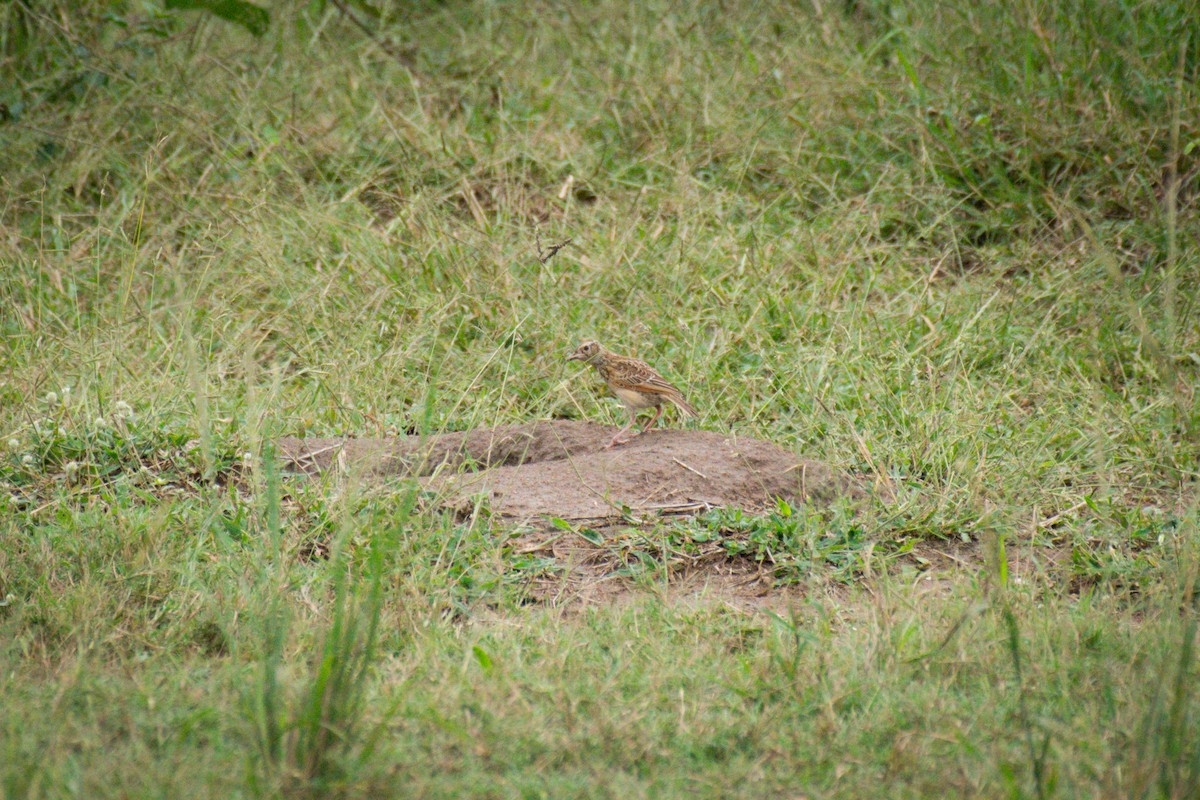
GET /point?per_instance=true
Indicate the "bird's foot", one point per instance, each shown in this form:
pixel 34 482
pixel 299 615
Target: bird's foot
pixel 617 440
pixel 650 423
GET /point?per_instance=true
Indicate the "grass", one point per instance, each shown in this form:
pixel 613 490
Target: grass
pixel 952 251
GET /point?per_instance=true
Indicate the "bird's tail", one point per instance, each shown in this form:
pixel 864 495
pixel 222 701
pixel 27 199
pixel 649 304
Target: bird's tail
pixel 683 405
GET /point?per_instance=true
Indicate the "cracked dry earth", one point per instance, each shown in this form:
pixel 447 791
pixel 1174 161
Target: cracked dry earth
pixel 525 475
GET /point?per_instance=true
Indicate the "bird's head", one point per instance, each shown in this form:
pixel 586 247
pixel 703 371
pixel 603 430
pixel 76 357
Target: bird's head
pixel 588 351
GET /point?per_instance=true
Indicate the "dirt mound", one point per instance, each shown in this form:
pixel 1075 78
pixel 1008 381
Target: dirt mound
pixel 562 469
pixel 528 474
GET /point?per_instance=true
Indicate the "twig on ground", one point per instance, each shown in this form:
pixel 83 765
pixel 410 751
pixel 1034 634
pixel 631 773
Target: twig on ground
pixel 550 252
pixel 384 45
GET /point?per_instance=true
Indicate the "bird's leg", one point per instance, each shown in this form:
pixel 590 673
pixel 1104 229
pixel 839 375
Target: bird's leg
pixel 657 413
pixel 616 440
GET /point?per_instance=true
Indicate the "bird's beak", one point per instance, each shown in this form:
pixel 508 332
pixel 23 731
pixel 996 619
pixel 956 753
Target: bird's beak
pixel 574 357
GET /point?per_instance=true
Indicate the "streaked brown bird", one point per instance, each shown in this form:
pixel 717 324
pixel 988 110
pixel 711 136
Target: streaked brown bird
pixel 635 383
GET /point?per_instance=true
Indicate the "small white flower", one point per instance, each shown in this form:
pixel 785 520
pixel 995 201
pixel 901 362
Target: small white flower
pixel 13 444
pixel 247 456
pixel 27 460
pixel 66 392
pixel 71 468
pixel 100 422
pixel 51 398
pixel 121 409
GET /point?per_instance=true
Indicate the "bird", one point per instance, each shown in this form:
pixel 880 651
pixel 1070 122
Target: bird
pixel 635 383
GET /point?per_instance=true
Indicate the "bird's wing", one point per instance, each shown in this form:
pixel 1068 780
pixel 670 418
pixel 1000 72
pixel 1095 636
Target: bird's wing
pixel 631 373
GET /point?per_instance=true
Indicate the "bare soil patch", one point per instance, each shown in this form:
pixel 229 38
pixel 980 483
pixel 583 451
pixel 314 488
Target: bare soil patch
pixel 562 469
pixel 530 474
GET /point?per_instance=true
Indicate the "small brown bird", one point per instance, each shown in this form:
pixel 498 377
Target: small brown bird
pixel 634 382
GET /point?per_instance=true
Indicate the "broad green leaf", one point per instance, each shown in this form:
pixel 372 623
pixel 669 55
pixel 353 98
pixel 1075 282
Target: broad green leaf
pixel 591 535
pixel 483 658
pixel 251 17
